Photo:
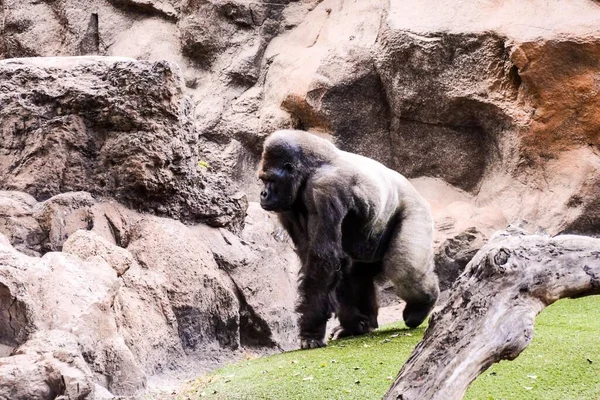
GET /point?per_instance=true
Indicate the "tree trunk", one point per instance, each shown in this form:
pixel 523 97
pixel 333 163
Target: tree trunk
pixel 492 308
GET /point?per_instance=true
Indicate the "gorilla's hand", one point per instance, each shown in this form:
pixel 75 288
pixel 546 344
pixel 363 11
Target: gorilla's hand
pixel 360 327
pixel 307 344
pixel 337 333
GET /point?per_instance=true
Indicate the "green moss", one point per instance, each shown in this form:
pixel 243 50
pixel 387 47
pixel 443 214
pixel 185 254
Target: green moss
pixel 563 362
pixel 203 164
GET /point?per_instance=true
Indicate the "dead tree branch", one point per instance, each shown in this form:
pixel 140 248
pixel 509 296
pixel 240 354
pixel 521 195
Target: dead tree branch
pixel 491 312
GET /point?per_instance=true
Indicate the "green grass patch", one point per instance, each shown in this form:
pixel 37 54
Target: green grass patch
pixel 562 362
pixel 353 368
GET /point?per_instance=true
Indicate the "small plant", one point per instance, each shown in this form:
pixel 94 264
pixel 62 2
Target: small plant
pixel 203 164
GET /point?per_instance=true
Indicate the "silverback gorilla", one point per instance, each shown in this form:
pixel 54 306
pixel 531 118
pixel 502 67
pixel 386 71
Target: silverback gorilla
pixel 351 219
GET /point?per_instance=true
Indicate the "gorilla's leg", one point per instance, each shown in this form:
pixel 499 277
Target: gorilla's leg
pixel 357 299
pixel 408 263
pixel 315 308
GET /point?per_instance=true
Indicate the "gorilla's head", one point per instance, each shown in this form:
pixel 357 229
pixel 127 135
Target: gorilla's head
pixel 281 176
pixel 289 158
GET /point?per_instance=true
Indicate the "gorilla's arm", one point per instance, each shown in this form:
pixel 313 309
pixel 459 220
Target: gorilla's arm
pixel 321 266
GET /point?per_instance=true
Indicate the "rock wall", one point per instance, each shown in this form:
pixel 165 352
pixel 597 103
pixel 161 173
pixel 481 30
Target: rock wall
pixel 491 109
pixel 114 128
pixel 497 100
pixel 97 290
pixel 497 108
pixel 135 295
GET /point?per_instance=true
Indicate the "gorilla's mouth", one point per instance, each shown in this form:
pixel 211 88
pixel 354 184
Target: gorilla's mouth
pixel 268 206
pixel 274 206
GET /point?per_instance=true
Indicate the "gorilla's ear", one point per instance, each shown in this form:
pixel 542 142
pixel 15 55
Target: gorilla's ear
pixel 289 167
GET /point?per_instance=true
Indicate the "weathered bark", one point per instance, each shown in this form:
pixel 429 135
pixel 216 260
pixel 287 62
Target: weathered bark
pixel 490 314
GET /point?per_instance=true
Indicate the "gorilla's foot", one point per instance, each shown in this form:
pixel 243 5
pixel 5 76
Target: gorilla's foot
pixel 307 344
pixel 339 332
pixel 359 328
pixel 415 313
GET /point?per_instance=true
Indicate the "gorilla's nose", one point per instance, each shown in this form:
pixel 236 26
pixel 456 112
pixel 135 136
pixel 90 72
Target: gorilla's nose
pixel 264 194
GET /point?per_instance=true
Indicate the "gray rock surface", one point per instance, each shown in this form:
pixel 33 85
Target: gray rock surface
pixel 36 228
pixel 112 127
pixel 87 244
pixel 18 224
pixel 263 268
pixel 48 365
pixel 139 294
pixel 61 292
pixel 202 299
pixel 62 215
pixel 455 253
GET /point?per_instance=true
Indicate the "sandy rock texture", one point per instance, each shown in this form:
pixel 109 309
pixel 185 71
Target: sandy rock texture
pixel 133 295
pixel 60 292
pixel 48 365
pixel 112 127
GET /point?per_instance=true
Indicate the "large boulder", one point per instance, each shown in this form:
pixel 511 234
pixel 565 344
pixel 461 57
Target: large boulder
pixel 61 292
pixel 110 126
pixel 202 298
pixel 48 365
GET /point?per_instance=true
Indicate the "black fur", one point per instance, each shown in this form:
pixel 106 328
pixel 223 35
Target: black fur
pixel 358 306
pixel 340 246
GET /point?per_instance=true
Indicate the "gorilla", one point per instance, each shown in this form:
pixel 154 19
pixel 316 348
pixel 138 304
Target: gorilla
pixel 351 219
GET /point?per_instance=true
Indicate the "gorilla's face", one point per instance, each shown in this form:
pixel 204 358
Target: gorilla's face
pixel 280 187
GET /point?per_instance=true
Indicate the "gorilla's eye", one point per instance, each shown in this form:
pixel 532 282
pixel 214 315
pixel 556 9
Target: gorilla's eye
pixel 289 167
